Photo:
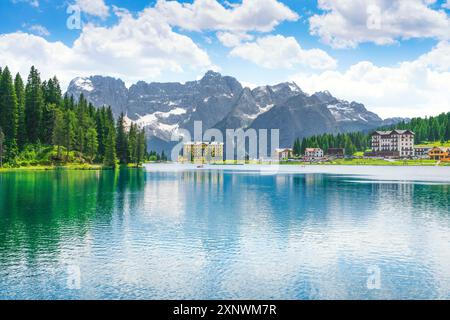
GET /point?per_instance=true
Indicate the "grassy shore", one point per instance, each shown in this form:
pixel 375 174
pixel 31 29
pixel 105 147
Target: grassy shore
pixel 435 144
pixel 69 166
pixel 381 162
pixel 350 162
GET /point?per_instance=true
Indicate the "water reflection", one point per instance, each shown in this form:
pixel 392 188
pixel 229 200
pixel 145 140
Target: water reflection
pixel 215 234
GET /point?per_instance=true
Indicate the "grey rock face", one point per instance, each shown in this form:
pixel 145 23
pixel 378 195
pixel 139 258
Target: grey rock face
pixel 300 116
pixel 101 91
pixel 253 103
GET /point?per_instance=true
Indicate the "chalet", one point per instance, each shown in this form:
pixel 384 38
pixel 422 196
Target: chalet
pixel 440 154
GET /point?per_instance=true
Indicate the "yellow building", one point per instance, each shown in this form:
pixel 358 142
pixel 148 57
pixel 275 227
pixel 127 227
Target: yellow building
pixel 201 152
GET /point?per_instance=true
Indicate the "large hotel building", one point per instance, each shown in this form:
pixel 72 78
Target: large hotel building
pixel 395 143
pixel 202 152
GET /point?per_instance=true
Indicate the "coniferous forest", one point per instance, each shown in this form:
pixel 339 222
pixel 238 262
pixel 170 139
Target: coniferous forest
pixel 40 126
pixel 431 129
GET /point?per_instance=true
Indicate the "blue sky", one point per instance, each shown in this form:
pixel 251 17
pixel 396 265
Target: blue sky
pixel 390 55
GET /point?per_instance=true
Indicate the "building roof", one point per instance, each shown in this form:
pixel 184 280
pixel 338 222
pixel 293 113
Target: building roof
pixel 190 143
pixel 387 133
pixel 279 150
pixel 443 149
pixel 312 149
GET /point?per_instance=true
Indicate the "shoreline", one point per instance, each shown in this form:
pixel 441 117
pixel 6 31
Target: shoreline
pixel 80 167
pixel 379 173
pixel 98 167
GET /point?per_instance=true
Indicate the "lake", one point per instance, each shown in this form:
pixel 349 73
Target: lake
pixel 236 232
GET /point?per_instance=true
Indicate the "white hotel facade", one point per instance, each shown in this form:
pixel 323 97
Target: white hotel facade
pixel 395 143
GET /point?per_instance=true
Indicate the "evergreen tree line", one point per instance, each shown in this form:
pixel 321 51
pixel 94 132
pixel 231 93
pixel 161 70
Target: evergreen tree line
pixel 429 129
pixel 36 120
pixel 352 142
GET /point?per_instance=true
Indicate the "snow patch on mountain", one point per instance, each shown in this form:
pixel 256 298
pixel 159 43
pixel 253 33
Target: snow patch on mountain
pixel 342 111
pixel 84 84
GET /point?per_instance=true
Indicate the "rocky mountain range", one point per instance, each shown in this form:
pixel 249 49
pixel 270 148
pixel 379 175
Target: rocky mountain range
pixel 222 102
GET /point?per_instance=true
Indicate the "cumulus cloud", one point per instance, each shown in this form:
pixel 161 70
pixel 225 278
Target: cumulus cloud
pixel 137 48
pixel 282 52
pixel 96 8
pixel 250 15
pixel 413 88
pixel 348 23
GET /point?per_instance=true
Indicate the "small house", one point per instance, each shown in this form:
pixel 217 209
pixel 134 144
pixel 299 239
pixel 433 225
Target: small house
pixel 439 154
pixel 283 154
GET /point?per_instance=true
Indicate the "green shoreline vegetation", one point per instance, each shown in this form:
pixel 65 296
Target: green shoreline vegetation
pixel 40 129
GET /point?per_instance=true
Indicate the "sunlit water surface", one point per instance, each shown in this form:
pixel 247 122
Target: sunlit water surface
pixel 214 234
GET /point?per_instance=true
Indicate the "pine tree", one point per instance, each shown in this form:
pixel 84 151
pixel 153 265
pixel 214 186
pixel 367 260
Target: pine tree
pixel 141 147
pixel 48 122
pixel 110 159
pixel 121 140
pixel 59 131
pixel 69 131
pixel 132 143
pixel 8 113
pixel 34 103
pixel 52 91
pixel 21 127
pixel 297 147
pixel 91 143
pixel 2 140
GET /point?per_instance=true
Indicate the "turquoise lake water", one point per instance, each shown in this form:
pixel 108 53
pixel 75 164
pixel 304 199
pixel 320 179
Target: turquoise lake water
pixel 213 234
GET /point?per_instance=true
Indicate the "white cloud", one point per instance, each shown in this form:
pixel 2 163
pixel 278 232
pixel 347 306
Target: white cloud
pixel 282 52
pixel 250 15
pixel 233 39
pixel 39 30
pixel 96 8
pixel 446 5
pixel 413 88
pixel 137 48
pixel 348 23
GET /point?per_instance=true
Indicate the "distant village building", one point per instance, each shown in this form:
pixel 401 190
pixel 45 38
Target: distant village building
pixel 201 152
pixel 395 143
pixel 313 154
pixel 336 153
pixel 440 154
pixel 422 152
pixel 283 154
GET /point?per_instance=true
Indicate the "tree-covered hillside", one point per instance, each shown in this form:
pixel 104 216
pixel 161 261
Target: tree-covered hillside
pixel 39 126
